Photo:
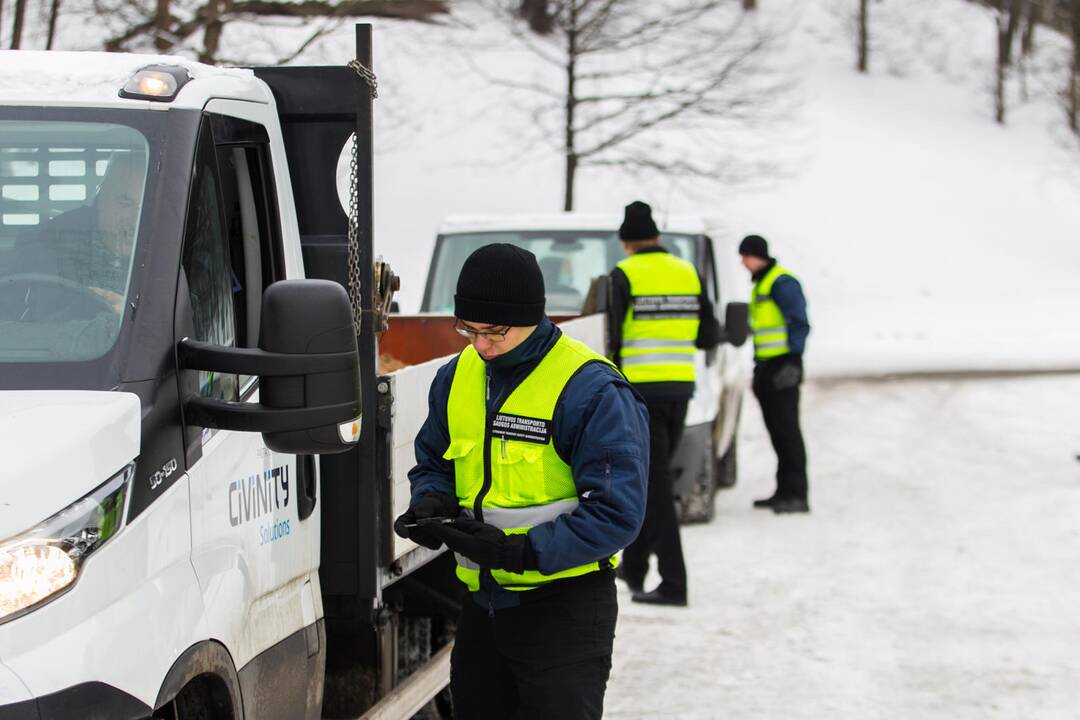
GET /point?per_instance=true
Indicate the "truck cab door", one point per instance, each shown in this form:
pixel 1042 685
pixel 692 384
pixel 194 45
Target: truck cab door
pixel 254 531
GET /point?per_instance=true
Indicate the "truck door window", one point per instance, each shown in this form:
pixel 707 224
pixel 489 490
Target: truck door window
pixel 708 272
pixel 208 268
pixel 253 236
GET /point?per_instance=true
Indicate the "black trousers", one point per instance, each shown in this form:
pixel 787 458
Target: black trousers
pixel 660 531
pixel 547 659
pixel 778 395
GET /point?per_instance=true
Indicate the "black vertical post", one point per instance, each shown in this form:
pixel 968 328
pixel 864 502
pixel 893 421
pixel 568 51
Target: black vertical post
pixel 368 529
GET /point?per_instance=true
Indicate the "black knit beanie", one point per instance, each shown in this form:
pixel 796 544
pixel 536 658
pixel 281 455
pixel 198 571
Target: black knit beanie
pixel 500 284
pixel 638 223
pixel 755 246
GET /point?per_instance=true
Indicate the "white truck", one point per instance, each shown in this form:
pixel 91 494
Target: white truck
pixel 203 458
pixel 574 249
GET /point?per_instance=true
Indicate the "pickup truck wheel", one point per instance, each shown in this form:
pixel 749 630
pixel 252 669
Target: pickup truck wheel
pixel 204 698
pixel 727 467
pixel 699 506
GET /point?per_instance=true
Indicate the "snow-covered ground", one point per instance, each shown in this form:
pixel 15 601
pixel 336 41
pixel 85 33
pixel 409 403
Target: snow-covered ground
pixel 936 577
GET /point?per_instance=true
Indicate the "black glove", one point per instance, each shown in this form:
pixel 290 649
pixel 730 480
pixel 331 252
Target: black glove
pixel 487 545
pixel 789 372
pixel 433 504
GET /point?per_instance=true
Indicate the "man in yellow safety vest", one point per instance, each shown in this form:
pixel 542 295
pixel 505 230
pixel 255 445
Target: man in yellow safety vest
pixel 660 317
pixel 779 323
pixel 531 467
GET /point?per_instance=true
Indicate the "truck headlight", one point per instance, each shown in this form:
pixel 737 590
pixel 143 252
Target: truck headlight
pixel 43 562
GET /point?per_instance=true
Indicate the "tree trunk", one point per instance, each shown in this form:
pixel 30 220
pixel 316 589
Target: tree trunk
pixel 17 28
pixel 54 13
pixel 571 107
pixel 212 33
pixel 749 4
pixel 1074 75
pixel 1008 21
pixel 864 35
pixel 162 25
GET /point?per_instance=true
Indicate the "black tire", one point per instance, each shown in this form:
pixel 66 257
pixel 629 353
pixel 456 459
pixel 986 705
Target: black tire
pixel 727 470
pixel 700 505
pixel 204 698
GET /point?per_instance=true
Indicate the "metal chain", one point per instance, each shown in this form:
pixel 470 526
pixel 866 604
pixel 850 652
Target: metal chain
pixel 368 77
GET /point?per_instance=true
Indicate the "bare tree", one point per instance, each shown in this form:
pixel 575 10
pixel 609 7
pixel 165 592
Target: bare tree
pixel 621 75
pixel 864 35
pixel 17 28
pixel 176 25
pixel 1032 17
pixel 1009 13
pixel 54 16
pixel 1072 93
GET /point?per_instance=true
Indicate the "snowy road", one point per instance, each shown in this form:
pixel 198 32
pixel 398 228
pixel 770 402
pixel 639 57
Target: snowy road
pixel 938 576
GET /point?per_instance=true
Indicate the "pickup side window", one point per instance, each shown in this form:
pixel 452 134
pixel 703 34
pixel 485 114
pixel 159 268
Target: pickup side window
pixel 208 270
pixel 253 234
pixel 709 272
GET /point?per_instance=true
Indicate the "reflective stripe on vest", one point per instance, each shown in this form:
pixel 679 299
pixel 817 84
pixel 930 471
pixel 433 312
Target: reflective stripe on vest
pixel 661 325
pixel 507 472
pixel 766 320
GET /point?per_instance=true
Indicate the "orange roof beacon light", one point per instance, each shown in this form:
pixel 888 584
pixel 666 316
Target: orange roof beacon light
pixel 159 83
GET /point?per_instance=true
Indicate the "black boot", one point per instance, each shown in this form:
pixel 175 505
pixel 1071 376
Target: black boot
pixel 767 502
pixel 661 596
pixel 791 505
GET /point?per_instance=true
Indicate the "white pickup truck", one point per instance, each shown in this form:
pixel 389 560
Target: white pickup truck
pixel 203 457
pixel 574 249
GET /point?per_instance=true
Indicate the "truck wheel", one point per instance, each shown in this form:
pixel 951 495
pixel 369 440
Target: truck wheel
pixel 699 506
pixel 727 467
pixel 204 698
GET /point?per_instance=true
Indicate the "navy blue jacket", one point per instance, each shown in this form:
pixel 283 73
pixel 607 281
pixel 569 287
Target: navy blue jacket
pixel 787 292
pixel 600 429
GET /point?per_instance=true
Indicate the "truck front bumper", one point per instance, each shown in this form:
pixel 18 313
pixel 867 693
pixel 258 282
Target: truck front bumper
pixel 89 701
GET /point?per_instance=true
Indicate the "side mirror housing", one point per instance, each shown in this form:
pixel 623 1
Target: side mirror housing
pixel 736 323
pixel 308 368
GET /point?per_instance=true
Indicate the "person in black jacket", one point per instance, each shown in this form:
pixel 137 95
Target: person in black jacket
pixel 536 632
pixel 666 308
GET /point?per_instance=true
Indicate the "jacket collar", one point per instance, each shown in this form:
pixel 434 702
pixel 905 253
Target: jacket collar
pixel 532 350
pixel 764 271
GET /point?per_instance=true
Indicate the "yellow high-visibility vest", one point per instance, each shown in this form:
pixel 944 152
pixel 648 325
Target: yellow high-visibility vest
pixel 766 320
pixel 660 330
pixel 507 472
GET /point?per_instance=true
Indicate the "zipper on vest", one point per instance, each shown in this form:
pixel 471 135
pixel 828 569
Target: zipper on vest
pixel 478 504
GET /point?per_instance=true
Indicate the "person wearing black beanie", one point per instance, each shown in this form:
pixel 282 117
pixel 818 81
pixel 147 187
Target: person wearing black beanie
pixel 500 284
pixel 660 316
pixel 638 224
pixel 531 467
pixel 754 246
pixel 780 326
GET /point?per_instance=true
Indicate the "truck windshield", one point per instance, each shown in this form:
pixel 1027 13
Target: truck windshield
pixel 568 259
pixel 71 195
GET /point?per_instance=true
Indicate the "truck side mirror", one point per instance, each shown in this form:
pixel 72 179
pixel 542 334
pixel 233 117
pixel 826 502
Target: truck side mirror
pixel 308 368
pixel 736 323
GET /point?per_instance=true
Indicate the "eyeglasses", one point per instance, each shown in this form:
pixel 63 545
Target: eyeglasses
pixel 492 336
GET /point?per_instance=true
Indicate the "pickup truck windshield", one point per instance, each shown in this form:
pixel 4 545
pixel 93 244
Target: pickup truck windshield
pixel 569 259
pixel 71 195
